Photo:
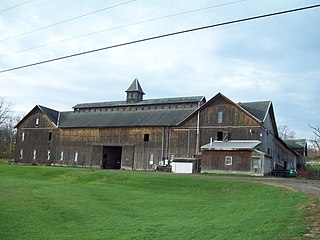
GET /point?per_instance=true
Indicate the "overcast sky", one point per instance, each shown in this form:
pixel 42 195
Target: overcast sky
pixel 276 58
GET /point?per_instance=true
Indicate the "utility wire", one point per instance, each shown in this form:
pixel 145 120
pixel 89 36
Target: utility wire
pixel 64 21
pixel 163 36
pixel 3 10
pixel 123 26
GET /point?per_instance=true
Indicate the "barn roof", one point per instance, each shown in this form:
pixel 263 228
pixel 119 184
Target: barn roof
pixel 258 109
pixel 231 145
pixel 296 143
pixel 159 117
pixel 52 114
pixel 156 101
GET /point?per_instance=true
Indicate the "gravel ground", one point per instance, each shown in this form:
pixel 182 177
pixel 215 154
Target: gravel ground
pixel 310 187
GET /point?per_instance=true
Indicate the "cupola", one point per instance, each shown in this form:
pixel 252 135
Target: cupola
pixel 134 92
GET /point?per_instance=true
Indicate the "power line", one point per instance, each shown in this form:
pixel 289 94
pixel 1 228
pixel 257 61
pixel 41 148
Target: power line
pixel 123 26
pixel 3 10
pixel 163 36
pixel 64 21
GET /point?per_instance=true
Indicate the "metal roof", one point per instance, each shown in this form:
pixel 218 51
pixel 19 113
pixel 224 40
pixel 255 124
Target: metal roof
pixel 193 99
pixel 159 117
pixel 231 145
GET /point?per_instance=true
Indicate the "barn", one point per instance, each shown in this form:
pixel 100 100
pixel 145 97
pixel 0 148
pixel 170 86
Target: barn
pixel 143 134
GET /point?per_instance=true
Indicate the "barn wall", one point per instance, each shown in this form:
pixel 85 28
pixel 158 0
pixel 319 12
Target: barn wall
pixel 236 123
pixel 214 161
pixel 36 140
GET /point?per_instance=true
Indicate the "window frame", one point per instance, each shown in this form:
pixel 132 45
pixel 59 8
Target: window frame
pixel 220 117
pixel 228 160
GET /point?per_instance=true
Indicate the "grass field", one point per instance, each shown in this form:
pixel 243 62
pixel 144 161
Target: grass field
pixel 314 167
pixel 68 203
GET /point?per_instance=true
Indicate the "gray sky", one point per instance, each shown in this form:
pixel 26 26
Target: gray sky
pixel 276 58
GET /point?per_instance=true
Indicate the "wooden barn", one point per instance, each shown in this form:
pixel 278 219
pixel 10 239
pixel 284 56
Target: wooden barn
pixel 138 134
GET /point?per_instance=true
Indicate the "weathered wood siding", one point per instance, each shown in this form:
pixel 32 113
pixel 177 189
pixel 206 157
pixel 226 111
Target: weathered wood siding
pixel 214 161
pixel 236 123
pixel 36 138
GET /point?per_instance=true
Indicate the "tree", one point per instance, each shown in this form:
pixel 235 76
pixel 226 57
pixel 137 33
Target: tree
pixel 5 111
pixel 314 149
pixel 7 131
pixel 285 132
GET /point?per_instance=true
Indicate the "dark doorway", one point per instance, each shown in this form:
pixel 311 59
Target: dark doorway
pixel 111 157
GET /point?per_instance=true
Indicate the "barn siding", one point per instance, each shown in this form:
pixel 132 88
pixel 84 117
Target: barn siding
pixel 214 161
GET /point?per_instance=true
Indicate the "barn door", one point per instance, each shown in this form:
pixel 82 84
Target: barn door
pixel 127 157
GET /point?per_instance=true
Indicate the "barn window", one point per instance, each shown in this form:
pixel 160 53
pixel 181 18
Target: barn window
pixel 146 137
pixel 220 116
pixel 22 136
pixel 48 155
pixel 34 157
pixel 21 153
pixel 228 160
pixel 37 122
pixel 256 162
pixel 61 156
pixel 76 156
pixel 50 136
pixel 151 159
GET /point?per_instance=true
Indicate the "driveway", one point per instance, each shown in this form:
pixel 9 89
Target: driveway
pixel 310 187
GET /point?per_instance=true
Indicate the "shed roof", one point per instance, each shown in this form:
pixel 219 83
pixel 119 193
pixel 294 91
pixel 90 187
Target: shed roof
pixel 159 117
pixel 232 145
pixel 156 101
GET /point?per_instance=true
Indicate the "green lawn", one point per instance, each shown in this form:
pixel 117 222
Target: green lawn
pixel 314 167
pixel 68 203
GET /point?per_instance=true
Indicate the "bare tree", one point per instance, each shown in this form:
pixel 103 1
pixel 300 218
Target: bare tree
pixel 285 132
pixel 5 111
pixel 7 131
pixel 314 144
pixel 316 138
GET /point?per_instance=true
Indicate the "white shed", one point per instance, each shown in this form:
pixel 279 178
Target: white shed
pixel 183 165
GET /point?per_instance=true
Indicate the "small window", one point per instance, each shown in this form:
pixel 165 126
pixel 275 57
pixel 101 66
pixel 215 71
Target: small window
pixel 220 116
pixel 48 155
pixel 228 160
pixel 256 162
pixel 146 137
pixel 50 136
pixel 21 153
pixel 34 157
pixel 151 159
pixel 37 122
pixel 219 136
pixel 61 156
pixel 76 156
pixel 22 136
